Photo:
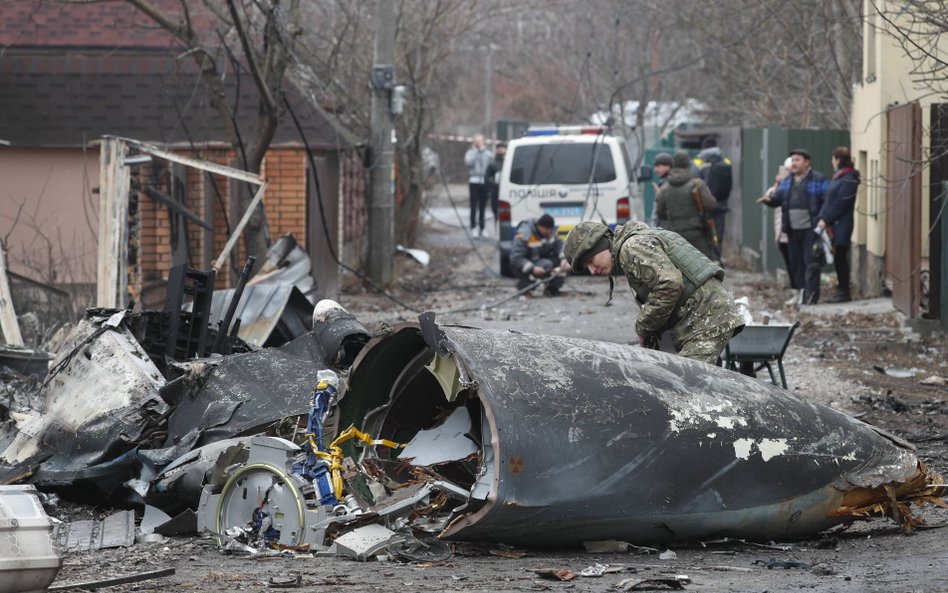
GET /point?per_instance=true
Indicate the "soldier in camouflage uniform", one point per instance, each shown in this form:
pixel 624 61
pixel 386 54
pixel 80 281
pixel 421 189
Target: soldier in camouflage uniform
pixel 677 287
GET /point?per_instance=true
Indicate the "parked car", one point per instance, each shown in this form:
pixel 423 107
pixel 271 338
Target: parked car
pixel 572 173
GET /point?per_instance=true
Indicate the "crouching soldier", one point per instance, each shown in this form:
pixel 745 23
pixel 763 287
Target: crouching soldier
pixel 677 287
pixel 537 253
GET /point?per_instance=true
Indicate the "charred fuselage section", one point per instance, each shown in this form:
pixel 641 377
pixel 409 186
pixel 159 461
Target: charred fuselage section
pixel 576 440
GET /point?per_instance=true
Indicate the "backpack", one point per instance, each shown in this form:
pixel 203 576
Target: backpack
pixel 718 177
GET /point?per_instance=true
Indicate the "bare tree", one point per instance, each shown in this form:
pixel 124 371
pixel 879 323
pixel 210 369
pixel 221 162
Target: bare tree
pixel 335 61
pixel 257 35
pixel 920 28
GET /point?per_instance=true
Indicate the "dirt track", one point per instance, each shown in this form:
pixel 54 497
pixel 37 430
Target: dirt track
pixel 830 361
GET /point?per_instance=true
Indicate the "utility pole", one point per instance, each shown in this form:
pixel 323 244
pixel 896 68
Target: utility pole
pixel 382 199
pixel 489 91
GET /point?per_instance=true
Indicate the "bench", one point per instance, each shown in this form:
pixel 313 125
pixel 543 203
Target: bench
pixel 758 346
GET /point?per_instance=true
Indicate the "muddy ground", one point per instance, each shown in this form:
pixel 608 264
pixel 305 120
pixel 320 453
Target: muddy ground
pixel 830 361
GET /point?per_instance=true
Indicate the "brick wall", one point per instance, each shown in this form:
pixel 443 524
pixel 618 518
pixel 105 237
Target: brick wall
pixel 285 200
pixel 284 204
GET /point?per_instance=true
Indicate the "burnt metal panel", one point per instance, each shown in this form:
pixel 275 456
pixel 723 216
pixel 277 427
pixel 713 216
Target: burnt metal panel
pixel 595 440
pixel 243 393
pixel 903 225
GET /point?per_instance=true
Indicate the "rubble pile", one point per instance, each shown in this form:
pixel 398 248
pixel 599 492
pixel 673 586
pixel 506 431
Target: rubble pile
pixel 337 442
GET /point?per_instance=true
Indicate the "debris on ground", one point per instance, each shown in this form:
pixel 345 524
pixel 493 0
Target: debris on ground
pixel 785 564
pixel 676 582
pixel 112 531
pixel 114 581
pixel 898 373
pixel 338 443
pixel 555 574
pixel 934 381
pixel 28 559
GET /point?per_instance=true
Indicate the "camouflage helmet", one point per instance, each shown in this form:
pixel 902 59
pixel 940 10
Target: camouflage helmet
pixel 585 240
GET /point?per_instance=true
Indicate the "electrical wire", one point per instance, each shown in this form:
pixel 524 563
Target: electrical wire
pixel 322 215
pixel 332 252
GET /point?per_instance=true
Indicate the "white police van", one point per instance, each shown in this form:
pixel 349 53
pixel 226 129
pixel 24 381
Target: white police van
pixel 572 173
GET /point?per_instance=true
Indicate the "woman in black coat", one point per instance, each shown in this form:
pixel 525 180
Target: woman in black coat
pixel 837 215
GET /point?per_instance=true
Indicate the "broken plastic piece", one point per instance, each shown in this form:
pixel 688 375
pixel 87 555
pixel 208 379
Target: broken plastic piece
pixel 365 542
pixel 445 370
pixel 419 255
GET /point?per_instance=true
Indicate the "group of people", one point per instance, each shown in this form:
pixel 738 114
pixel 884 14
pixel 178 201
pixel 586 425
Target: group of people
pixel 809 208
pixel 483 168
pixel 673 267
pixel 691 196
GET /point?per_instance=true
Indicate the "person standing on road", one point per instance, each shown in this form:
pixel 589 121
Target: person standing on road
pixel 801 194
pixel 837 215
pixel 684 203
pixel 492 176
pixel 780 237
pixel 661 166
pixel 537 253
pixel 477 158
pixel 714 168
pixel 677 287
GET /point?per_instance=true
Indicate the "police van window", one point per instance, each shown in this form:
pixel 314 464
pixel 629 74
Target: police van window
pixel 561 164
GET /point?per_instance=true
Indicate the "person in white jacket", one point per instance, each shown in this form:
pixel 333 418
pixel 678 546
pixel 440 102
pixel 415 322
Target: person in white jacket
pixel 477 158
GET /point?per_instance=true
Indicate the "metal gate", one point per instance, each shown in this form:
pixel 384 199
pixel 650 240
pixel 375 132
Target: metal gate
pixel 903 226
pixel 938 231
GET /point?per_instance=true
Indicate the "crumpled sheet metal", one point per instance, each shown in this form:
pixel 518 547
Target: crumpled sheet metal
pixel 97 406
pixel 596 440
pixel 240 395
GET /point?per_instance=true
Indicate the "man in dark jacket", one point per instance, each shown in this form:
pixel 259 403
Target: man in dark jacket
pixel 802 195
pixel 715 169
pixel 837 215
pixel 661 166
pixel 492 177
pixel 537 253
pixel 683 202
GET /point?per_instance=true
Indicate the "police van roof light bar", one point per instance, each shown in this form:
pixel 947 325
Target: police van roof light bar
pixel 567 130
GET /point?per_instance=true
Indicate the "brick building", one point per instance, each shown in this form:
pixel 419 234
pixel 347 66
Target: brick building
pixel 71 73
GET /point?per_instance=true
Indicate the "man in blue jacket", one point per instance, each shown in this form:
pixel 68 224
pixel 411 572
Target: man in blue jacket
pixel 802 195
pixel 537 253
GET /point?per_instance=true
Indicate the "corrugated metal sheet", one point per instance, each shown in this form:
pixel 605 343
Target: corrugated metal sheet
pixel 270 314
pixel 903 196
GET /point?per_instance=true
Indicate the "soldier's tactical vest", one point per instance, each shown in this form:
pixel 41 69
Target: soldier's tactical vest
pixel 696 269
pixel 681 211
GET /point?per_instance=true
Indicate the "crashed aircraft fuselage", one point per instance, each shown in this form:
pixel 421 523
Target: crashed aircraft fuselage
pixel 581 440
